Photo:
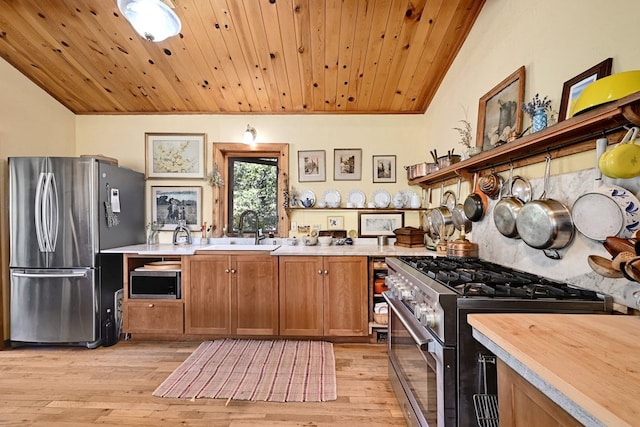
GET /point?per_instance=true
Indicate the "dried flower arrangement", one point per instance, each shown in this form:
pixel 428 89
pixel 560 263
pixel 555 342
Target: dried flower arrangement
pixel 465 133
pixel 214 178
pixel 536 104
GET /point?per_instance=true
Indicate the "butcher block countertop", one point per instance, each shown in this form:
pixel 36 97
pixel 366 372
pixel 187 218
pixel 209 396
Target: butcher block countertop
pixel 587 364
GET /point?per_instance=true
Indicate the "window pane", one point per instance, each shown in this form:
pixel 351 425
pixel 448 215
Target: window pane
pixel 254 187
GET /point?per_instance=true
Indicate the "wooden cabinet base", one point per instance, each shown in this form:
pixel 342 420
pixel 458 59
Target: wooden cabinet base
pixel 523 405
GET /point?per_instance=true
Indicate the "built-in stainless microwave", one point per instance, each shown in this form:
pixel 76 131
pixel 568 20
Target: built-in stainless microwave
pixel 161 284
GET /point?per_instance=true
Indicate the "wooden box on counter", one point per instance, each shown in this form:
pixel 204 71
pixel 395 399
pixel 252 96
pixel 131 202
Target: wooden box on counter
pixel 409 237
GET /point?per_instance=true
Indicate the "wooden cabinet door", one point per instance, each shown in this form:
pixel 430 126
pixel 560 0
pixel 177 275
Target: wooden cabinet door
pixel 151 316
pixel 254 295
pixel 345 296
pixel 522 404
pixel 208 297
pixel 301 295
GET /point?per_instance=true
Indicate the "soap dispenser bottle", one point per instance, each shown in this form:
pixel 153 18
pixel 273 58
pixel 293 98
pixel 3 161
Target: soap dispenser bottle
pixel 181 235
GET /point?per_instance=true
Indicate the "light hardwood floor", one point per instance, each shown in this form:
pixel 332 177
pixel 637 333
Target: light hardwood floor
pixel 70 386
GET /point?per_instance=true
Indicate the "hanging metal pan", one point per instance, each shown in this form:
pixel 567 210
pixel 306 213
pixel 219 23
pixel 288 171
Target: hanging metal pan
pixel 460 220
pixel 476 203
pixel 545 223
pixel 506 211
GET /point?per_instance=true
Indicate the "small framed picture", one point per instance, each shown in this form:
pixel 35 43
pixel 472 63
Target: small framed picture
pixel 379 224
pixel 175 155
pixel 499 112
pixel 311 166
pixel 172 204
pixel 347 164
pixel 335 222
pixel 572 88
pixel 384 168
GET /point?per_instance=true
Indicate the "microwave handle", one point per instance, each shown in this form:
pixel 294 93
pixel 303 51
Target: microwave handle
pixel 420 336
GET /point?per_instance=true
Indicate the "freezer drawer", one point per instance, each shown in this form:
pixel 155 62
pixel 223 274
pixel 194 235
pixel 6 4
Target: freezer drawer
pixel 54 306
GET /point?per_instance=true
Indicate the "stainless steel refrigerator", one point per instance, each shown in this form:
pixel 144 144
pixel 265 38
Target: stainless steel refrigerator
pixel 62 212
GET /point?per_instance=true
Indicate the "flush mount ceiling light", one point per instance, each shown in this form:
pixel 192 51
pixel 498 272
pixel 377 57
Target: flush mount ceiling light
pixel 250 135
pixel 152 19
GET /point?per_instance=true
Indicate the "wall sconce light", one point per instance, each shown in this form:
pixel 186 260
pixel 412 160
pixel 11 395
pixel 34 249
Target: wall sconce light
pixel 250 135
pixel 152 19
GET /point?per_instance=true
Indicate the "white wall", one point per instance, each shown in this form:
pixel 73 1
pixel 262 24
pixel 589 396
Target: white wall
pixel 31 124
pixel 122 137
pixel 554 40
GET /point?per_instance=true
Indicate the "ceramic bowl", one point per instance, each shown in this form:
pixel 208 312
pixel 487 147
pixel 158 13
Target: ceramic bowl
pixel 310 240
pixel 325 240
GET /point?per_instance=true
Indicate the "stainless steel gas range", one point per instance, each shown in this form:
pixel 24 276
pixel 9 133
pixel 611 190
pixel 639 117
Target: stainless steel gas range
pixel 436 367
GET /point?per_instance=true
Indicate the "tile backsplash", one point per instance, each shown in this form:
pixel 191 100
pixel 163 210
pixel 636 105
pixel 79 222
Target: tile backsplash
pixel 573 266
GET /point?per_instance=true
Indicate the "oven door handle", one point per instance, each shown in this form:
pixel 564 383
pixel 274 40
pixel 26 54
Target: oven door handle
pixel 422 338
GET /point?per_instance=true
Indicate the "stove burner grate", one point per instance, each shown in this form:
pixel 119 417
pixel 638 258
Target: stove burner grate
pixel 474 277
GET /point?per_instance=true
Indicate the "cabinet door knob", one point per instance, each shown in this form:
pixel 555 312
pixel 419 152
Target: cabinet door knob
pixel 233 271
pixel 226 270
pixel 150 305
pixel 319 271
pixel 326 272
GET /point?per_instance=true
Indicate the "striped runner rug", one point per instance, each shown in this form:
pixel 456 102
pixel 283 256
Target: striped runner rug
pixel 269 370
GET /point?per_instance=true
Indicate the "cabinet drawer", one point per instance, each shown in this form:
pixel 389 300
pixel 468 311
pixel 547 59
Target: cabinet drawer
pixel 153 316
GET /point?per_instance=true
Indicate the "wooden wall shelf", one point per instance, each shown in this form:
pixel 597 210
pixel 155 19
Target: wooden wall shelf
pixel 568 137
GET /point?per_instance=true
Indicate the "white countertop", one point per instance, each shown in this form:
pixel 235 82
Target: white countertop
pixel 365 249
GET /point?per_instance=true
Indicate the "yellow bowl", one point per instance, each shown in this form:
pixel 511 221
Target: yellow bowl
pixel 607 89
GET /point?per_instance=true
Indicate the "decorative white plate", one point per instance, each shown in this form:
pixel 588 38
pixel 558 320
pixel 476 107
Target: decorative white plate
pixel 331 197
pixel 381 198
pixel 357 197
pixel 304 195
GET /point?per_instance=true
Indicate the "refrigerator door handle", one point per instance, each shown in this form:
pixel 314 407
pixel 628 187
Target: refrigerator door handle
pixel 80 273
pixel 39 213
pixel 50 212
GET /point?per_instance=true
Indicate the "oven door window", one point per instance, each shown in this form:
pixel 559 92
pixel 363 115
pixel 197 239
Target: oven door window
pixel 427 377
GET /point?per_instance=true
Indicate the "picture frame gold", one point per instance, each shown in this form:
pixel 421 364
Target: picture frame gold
pixel 500 112
pixel 175 155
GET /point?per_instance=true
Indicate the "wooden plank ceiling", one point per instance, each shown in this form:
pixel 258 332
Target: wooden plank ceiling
pixel 240 56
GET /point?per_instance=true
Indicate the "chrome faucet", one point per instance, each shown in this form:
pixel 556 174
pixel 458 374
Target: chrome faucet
pixel 181 235
pixel 256 230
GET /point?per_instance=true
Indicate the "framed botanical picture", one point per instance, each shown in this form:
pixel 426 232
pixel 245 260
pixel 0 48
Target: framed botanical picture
pixel 311 166
pixel 335 222
pixel 372 224
pixel 175 155
pixel 347 164
pixel 573 87
pixel 499 112
pixel 172 204
pixel 384 168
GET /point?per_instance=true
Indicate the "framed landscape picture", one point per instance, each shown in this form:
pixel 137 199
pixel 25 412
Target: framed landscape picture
pixel 372 224
pixel 573 87
pixel 384 168
pixel 499 112
pixel 171 204
pixel 347 164
pixel 311 166
pixel 175 155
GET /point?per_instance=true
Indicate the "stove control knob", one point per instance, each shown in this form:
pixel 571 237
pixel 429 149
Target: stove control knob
pixel 406 293
pixel 419 310
pixel 429 318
